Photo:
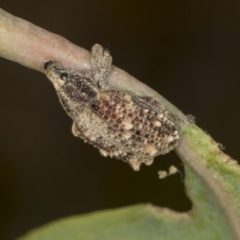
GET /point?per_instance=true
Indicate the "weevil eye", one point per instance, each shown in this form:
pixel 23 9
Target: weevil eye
pixel 64 76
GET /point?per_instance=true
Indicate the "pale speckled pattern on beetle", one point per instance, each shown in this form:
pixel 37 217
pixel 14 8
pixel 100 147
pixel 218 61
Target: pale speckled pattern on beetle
pixel 131 128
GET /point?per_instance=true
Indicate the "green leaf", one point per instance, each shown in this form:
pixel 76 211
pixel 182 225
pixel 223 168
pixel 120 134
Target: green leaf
pixel 138 222
pixel 210 218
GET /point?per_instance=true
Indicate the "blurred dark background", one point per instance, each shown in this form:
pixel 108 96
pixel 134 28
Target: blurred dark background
pixel 186 50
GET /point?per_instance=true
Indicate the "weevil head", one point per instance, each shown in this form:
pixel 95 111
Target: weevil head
pixel 72 84
pixel 57 75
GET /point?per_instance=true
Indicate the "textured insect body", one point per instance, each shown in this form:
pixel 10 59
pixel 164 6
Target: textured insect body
pixel 131 128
